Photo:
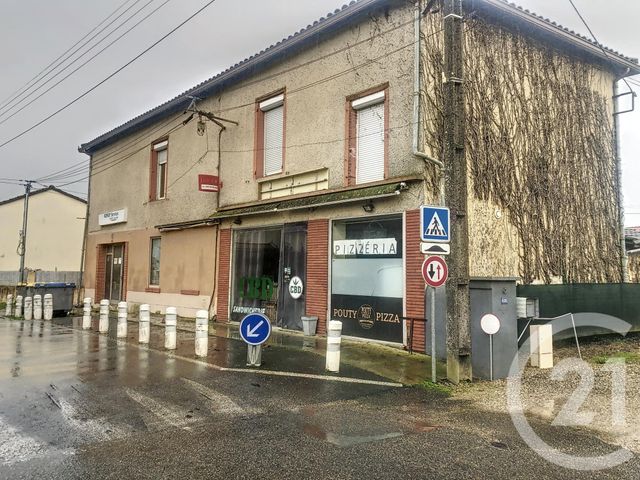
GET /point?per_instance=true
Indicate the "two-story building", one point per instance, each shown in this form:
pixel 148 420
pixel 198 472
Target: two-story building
pixel 291 182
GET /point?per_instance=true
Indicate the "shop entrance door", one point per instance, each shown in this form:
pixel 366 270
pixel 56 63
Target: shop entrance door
pixel 293 263
pixel 113 272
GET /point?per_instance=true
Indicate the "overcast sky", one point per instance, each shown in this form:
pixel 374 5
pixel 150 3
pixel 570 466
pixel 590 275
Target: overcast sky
pixel 35 32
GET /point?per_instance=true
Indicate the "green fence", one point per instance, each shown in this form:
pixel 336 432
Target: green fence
pixel 621 300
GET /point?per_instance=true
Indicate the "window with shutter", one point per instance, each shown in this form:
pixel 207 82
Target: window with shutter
pixel 366 154
pixel 270 147
pixel 158 174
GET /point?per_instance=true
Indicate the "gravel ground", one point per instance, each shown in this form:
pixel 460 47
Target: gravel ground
pixel 544 394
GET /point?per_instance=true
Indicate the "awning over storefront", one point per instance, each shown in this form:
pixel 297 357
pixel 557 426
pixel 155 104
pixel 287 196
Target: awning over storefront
pixel 316 201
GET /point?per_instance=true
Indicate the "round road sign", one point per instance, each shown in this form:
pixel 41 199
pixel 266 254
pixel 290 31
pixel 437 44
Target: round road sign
pixel 255 328
pixel 490 324
pixel 435 271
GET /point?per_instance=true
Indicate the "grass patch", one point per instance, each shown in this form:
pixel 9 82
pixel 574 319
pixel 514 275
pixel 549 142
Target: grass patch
pixel 628 357
pixel 437 387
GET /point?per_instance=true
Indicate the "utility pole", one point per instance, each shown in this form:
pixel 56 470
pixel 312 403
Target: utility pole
pixel 22 247
pixel 458 317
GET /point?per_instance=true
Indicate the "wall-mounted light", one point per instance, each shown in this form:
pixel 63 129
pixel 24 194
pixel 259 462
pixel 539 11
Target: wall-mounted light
pixel 368 207
pixel 237 221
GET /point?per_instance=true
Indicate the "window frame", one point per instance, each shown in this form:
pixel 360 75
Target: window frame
pixel 351 133
pixel 154 173
pixel 149 279
pixel 259 140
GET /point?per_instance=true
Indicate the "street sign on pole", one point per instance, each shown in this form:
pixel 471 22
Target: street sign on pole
pixel 435 271
pixel 434 224
pixel 429 248
pixel 255 329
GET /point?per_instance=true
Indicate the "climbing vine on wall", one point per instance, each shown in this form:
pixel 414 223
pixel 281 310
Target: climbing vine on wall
pixel 539 145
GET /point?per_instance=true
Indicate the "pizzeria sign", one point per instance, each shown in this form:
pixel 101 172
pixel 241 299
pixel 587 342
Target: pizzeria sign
pixel 366 246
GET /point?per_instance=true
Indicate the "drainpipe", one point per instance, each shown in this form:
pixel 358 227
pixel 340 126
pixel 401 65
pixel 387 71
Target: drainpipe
pixel 416 102
pixel 214 292
pixel 616 140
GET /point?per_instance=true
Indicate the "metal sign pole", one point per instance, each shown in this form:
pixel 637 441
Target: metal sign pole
pixel 491 356
pixel 432 314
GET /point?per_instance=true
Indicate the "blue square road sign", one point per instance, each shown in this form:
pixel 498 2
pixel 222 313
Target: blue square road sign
pixel 434 224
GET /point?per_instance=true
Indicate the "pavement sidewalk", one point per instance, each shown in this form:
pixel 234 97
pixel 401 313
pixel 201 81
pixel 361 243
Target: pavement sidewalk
pixel 289 351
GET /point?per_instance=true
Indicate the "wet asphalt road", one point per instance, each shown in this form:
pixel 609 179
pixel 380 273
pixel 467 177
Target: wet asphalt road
pixel 76 404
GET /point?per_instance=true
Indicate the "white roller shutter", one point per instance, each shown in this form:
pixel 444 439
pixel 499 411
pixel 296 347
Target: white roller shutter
pixel 273 137
pixel 370 144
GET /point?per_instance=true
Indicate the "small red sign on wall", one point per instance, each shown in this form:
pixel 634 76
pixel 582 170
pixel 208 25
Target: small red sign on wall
pixel 208 183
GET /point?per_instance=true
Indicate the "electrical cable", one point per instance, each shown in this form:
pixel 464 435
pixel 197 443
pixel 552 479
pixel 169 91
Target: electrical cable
pixel 113 74
pixel 72 171
pixel 7 118
pixel 48 70
pixel 4 101
pixel 606 54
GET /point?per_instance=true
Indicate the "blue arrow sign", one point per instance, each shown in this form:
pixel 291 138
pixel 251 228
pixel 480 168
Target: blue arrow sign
pixel 434 224
pixel 255 329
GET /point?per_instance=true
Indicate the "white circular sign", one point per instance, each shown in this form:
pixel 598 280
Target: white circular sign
pixel 295 287
pixel 490 324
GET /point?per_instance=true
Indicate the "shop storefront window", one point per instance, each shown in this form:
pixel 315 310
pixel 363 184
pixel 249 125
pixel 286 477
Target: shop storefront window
pixel 256 259
pixel 367 285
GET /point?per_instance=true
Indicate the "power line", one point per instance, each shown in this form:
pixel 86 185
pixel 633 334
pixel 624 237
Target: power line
pixel 606 54
pixel 61 109
pixel 72 171
pixel 46 70
pixel 90 59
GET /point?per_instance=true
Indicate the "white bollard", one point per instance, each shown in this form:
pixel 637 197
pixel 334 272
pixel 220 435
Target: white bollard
pixel 122 320
pixel 86 313
pixel 202 333
pixel 9 309
pixel 19 306
pixel 48 306
pixel 144 329
pixel 28 308
pixel 334 339
pixel 37 307
pixel 170 328
pixel 103 324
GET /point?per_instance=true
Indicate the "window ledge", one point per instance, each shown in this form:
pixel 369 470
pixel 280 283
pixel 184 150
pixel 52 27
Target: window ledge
pixel 152 289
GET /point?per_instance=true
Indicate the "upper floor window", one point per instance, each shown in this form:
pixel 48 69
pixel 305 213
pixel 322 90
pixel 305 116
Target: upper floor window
pixel 270 136
pixel 368 125
pixel 158 177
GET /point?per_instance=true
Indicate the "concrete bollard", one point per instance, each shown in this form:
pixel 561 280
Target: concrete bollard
pixel 28 308
pixel 9 309
pixel 103 324
pixel 170 328
pixel 122 320
pixel 37 307
pixel 334 338
pixel 202 333
pixel 19 306
pixel 144 328
pixel 48 306
pixel 86 313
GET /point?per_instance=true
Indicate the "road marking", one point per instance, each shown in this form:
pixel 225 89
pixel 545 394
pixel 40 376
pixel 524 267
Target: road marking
pixel 16 447
pixel 97 429
pixel 163 413
pixel 219 403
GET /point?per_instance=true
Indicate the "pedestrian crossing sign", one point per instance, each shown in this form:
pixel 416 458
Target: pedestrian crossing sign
pixel 434 224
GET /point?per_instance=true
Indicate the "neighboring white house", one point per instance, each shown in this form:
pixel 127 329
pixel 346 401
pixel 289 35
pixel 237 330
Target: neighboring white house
pixel 55 231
